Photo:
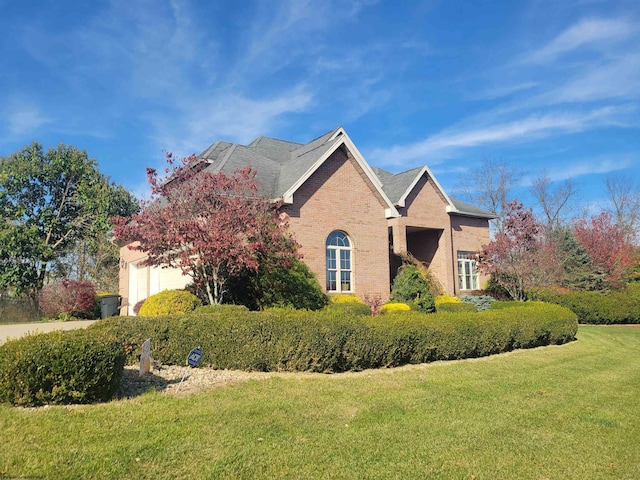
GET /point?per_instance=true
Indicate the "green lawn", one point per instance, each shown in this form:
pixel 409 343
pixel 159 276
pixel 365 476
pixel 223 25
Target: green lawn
pixel 556 412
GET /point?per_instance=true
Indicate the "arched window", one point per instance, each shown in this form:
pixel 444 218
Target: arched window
pixel 338 262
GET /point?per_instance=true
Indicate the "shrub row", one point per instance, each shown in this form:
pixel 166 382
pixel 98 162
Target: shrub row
pixel 457 307
pixel 616 307
pixel 284 340
pixel 221 308
pixel 502 304
pixel 60 368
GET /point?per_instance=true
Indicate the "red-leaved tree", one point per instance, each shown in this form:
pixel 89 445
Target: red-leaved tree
pixel 610 245
pixel 210 225
pixel 519 258
pixel 68 298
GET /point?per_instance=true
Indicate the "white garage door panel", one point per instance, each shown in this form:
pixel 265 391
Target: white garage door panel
pixel 167 279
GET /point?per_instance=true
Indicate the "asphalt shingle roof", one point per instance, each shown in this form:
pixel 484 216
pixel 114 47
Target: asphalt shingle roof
pixel 396 185
pixel 280 164
pixel 471 210
pixel 277 150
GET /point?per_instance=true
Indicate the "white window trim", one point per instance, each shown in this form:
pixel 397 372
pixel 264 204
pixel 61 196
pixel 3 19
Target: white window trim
pixel 468 262
pixel 338 269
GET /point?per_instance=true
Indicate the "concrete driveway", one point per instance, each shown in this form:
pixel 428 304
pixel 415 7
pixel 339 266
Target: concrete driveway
pixel 17 330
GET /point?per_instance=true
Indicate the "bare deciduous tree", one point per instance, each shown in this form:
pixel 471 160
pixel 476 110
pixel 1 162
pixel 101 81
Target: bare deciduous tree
pixel 489 186
pixel 624 194
pixel 553 200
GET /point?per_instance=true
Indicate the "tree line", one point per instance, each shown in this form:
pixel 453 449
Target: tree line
pixel 59 215
pixel 561 246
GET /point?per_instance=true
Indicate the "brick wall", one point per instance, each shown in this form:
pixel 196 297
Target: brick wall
pixel 425 208
pixel 469 235
pixel 434 236
pixel 339 196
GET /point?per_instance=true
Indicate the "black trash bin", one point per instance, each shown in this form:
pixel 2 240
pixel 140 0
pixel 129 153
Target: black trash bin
pixel 109 305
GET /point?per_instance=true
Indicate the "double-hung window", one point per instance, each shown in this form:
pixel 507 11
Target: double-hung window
pixel 338 248
pixel 467 271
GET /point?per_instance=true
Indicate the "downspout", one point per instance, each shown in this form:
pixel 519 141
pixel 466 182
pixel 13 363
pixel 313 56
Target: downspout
pixel 453 260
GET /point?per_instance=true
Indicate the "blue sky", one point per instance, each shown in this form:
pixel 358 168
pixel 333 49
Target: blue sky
pixel 545 86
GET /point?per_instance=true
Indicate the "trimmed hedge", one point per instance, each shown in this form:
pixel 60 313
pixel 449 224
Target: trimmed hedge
pixel 204 309
pixel 282 340
pixel 169 302
pixel 60 368
pixel 616 307
pixel 456 307
pixel 502 304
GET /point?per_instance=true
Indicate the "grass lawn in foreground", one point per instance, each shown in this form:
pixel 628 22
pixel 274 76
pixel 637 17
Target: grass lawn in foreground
pixel 558 412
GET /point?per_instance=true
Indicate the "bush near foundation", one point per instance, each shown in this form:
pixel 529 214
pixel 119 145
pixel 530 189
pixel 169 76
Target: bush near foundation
pixel 410 286
pixel 347 305
pixel 445 298
pixel 169 302
pixel 293 286
pixel 138 306
pixel 60 368
pixel 394 307
pixel 480 302
pixel 330 341
pixel 615 307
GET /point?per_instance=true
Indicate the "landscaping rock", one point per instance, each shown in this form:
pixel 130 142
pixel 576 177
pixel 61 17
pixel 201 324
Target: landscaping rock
pixel 167 379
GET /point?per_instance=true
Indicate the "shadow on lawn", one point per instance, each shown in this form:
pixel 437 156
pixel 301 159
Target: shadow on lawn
pixel 132 385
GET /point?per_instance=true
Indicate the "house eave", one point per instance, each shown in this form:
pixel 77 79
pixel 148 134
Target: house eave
pixel 341 138
pixel 451 210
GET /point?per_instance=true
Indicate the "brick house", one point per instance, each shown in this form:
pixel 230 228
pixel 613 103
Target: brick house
pixel 346 215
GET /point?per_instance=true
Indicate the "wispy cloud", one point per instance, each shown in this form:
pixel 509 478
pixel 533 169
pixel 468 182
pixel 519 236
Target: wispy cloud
pixel 232 118
pixel 586 166
pixel 24 119
pixel 593 32
pixel 438 146
pixel 506 90
pixel 543 99
pixel 619 78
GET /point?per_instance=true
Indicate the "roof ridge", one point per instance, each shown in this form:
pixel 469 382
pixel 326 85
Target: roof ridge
pixel 414 169
pixel 253 152
pixel 262 137
pixel 325 133
pixel 310 150
pixel 211 148
pixel 302 151
pixel 226 157
pixel 256 141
